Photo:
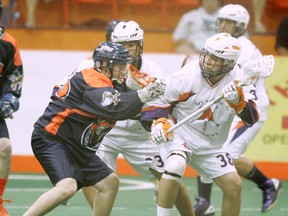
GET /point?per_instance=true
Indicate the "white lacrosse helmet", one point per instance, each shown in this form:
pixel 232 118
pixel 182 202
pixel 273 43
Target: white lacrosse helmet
pixel 223 46
pixel 127 31
pixel 237 13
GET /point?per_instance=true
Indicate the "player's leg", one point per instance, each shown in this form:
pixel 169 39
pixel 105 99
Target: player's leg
pixel 270 187
pixel 5 162
pixel 231 186
pixel 203 206
pixel 175 165
pixel 219 167
pixel 59 164
pixel 241 138
pixel 108 151
pixel 106 193
pixel 183 202
pixel 62 191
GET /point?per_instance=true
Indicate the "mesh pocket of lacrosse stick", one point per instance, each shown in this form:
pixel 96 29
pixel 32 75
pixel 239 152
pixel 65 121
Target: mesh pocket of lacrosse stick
pixel 259 68
pixel 136 79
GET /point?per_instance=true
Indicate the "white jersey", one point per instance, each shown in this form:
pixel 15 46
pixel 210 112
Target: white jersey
pixel 133 128
pixel 207 132
pixel 250 52
pixel 195 27
pixel 240 136
pixel 129 138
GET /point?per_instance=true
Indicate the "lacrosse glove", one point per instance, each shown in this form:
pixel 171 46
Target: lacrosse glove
pixel 159 130
pixel 234 96
pixel 8 104
pixel 152 90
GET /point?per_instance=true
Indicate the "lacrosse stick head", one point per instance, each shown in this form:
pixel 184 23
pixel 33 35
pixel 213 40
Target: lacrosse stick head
pixel 256 69
pixel 135 79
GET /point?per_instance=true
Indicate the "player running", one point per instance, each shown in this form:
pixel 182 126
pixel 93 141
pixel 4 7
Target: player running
pixel 200 140
pixel 234 19
pixel 84 108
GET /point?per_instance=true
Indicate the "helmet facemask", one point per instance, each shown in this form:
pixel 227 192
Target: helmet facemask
pixel 135 49
pixel 131 36
pixel 111 59
pixel 236 13
pixel 236 29
pixel 115 70
pixel 212 66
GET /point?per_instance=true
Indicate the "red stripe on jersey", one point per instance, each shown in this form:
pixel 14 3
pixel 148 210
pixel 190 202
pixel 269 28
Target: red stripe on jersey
pixel 57 121
pixel 95 79
pixel 10 39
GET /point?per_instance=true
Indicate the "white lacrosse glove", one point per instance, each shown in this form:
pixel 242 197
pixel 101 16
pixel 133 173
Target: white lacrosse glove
pixel 137 80
pixel 234 96
pixel 159 130
pixel 152 90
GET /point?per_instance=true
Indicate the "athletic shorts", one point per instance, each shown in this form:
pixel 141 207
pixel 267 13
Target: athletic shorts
pixel 3 129
pixel 178 144
pixel 240 136
pixel 209 166
pixel 212 165
pixel 141 154
pixel 61 160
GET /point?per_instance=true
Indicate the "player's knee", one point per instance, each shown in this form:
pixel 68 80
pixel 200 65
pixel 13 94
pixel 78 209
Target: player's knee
pixel 234 187
pixel 175 165
pixel 5 147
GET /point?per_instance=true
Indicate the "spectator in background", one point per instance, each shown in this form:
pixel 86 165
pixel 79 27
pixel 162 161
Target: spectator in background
pixel 258 9
pixel 10 13
pixel 281 45
pixel 31 6
pixel 196 26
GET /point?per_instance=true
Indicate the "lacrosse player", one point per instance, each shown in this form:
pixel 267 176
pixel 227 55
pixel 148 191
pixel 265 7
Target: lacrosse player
pixel 128 137
pixel 84 107
pixel 11 77
pixel 199 141
pixel 110 28
pixel 234 19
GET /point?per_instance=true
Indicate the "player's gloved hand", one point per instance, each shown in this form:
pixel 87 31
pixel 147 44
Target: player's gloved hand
pixel 137 80
pixel 234 96
pixel 152 90
pixel 8 104
pixel 6 109
pixel 159 130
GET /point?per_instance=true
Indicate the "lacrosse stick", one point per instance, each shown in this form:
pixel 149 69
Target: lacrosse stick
pixel 254 69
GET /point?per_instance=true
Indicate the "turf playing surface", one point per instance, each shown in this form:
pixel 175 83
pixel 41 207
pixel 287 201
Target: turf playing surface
pixel 134 198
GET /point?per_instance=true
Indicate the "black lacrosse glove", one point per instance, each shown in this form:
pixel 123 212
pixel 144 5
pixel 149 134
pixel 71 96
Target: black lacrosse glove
pixel 8 104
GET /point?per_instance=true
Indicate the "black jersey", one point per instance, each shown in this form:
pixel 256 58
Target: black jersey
pixel 85 106
pixel 11 69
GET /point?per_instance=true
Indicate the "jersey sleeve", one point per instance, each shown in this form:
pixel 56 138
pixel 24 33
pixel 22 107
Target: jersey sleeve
pixel 111 104
pixel 11 69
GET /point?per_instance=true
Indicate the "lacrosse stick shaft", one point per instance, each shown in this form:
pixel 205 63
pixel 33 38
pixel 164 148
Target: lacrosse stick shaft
pixel 195 113
pixel 201 110
pixel 266 65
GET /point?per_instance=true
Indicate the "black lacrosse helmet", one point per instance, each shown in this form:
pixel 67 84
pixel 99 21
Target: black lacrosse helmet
pixel 110 28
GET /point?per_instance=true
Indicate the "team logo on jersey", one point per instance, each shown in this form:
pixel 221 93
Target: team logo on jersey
pixel 109 98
